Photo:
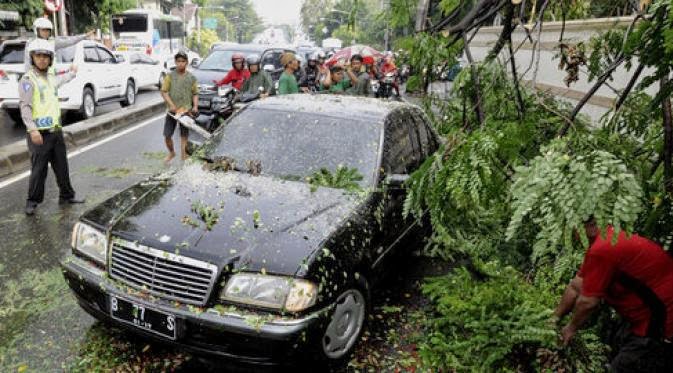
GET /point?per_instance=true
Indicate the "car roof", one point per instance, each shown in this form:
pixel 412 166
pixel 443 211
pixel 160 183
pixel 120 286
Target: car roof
pixel 339 106
pixel 249 47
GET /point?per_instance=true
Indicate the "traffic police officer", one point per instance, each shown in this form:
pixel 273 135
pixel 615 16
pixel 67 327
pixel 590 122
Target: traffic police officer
pixel 41 112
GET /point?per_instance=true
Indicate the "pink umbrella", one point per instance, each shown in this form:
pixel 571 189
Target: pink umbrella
pixel 343 56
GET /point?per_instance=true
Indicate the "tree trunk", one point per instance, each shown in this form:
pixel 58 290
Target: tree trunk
pixel 476 97
pixel 421 14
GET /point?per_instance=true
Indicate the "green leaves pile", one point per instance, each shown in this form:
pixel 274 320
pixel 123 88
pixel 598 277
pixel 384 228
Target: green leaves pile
pixel 342 178
pixel 506 197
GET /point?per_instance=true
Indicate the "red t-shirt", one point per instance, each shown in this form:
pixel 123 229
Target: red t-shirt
pixel 639 258
pixel 235 77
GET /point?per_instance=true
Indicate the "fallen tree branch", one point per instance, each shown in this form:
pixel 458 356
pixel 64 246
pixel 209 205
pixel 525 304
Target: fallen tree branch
pixel 629 86
pixel 476 97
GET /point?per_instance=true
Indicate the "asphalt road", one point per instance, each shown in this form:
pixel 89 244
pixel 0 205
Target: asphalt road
pixel 41 327
pixel 10 133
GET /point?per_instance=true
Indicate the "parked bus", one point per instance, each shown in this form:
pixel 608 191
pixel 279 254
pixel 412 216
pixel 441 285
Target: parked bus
pixel 158 35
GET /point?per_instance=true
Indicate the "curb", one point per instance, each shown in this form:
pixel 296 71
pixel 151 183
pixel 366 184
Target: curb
pixel 15 157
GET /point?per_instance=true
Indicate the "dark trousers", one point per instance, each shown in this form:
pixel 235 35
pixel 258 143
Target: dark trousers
pixel 642 354
pixel 51 151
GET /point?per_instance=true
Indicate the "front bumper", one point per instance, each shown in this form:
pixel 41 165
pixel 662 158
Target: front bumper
pixel 226 335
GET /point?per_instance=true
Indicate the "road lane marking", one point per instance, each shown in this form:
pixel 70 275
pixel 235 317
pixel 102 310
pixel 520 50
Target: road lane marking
pixel 77 152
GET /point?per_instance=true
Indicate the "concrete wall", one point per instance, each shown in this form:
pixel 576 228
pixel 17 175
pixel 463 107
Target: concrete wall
pixel 549 77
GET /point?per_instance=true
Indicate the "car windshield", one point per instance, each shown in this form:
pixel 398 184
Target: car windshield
pixel 12 53
pixel 219 60
pixel 294 145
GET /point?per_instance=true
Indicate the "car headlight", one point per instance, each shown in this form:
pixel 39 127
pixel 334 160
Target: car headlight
pixel 270 291
pixel 90 242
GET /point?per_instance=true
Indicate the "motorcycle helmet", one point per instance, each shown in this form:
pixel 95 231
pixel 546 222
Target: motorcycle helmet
pixel 253 59
pixel 237 57
pixel 43 47
pixel 42 23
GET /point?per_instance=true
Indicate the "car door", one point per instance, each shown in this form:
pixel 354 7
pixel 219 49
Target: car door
pixel 95 72
pixel 402 154
pixel 115 74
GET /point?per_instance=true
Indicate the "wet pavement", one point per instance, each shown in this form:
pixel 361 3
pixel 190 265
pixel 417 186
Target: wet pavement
pixel 41 326
pixel 10 133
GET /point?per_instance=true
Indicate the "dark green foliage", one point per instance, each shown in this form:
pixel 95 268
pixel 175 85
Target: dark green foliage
pixel 498 323
pixel 342 178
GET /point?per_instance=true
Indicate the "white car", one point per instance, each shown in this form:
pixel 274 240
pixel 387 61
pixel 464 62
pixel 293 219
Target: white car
pixel 101 79
pixel 145 70
pixel 11 70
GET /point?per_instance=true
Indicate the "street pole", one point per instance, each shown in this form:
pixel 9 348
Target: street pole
pixel 198 28
pixel 61 16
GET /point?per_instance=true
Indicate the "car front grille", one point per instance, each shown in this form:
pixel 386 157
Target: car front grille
pixel 161 273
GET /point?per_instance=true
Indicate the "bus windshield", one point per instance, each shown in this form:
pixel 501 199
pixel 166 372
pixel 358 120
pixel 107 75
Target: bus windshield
pixel 129 23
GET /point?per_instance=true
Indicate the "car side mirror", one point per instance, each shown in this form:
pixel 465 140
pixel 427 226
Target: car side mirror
pixel 119 59
pixel 396 180
pixel 269 68
pixel 196 62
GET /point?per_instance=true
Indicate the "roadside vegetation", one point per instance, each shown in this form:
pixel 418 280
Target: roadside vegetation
pixel 518 175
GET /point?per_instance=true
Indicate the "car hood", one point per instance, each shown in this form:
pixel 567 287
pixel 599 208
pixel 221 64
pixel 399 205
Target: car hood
pixel 263 224
pixel 207 76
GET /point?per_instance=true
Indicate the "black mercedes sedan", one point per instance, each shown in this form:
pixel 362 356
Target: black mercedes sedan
pixel 264 247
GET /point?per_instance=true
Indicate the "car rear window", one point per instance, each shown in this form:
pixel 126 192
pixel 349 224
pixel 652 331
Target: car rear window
pixel 220 60
pixel 12 53
pixel 295 145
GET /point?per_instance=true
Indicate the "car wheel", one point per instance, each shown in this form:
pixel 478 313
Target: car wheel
pixel 88 108
pixel 15 115
pixel 130 95
pixel 344 327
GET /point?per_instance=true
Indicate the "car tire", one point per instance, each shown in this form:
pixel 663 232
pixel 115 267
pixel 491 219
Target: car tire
pixel 88 108
pixel 15 115
pixel 129 94
pixel 344 327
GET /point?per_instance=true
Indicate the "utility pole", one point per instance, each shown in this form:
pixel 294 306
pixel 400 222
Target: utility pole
pixel 61 20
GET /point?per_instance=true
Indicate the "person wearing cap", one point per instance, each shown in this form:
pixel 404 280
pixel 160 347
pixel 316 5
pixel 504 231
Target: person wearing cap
pixel 238 75
pixel 43 29
pixel 41 113
pixel 181 93
pixel 258 78
pixel 287 84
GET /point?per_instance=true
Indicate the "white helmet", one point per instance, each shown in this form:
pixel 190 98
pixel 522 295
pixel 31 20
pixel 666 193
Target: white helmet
pixel 42 23
pixel 41 46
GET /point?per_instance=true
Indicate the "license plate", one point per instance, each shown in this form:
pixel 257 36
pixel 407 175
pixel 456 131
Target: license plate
pixel 143 317
pixel 204 103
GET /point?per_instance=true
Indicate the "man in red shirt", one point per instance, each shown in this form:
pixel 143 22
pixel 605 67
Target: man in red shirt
pixel 635 277
pixel 236 76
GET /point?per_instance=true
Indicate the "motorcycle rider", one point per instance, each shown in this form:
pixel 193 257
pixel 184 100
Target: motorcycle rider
pixel 238 74
pixel 309 77
pixel 388 66
pixel 359 78
pixel 43 29
pixel 258 78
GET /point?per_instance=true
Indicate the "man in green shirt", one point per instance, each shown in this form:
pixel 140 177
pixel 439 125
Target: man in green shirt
pixel 258 78
pixel 335 81
pixel 287 84
pixel 181 93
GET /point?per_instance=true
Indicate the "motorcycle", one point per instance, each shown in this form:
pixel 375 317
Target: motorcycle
pixel 214 110
pixel 386 86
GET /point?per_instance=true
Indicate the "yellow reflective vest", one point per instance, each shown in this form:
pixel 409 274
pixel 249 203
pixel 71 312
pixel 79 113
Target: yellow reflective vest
pixel 46 108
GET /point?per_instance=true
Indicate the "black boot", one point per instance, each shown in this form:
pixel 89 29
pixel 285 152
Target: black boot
pixel 71 201
pixel 30 208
